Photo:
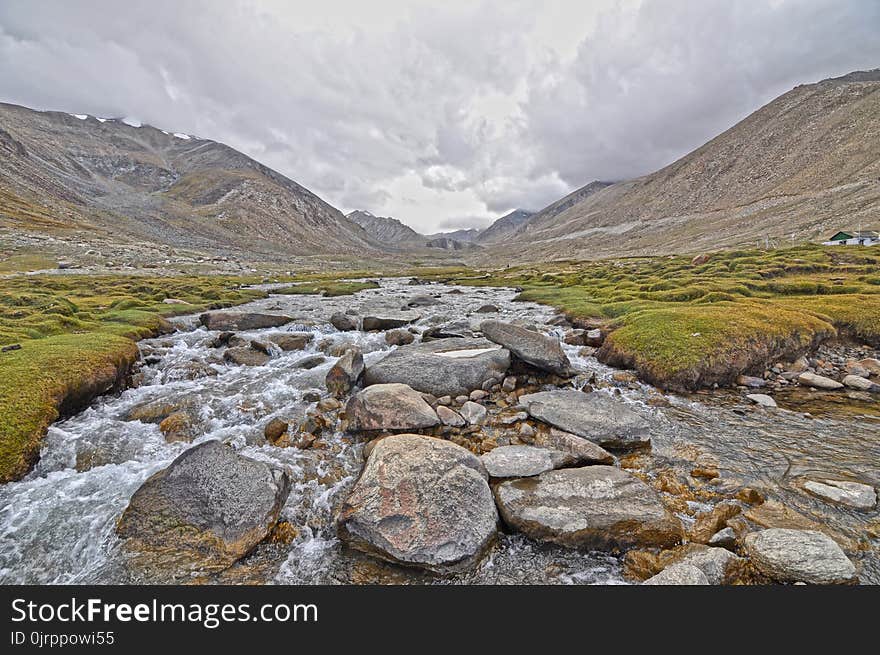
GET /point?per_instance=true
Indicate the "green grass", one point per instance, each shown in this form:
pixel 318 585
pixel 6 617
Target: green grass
pixel 683 325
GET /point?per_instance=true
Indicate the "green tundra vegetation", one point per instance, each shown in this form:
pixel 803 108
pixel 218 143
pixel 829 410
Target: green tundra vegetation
pixel 329 288
pixel 685 322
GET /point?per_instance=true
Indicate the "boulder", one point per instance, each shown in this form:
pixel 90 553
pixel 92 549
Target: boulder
pixel 599 507
pixel 473 413
pixel 488 309
pixel 595 416
pixel 210 506
pixel 861 384
pixel 751 381
pixel 242 320
pixel 799 556
pixel 421 301
pixel 378 323
pixel 389 407
pixel 724 538
pixel 399 337
pixel 288 341
pixel 345 373
pixel 522 461
pixel 818 381
pixel 450 367
pixel 719 565
pixel 581 450
pixel 245 356
pixel 275 429
pixel 452 331
pixel 311 361
pixel 851 494
pixel 533 348
pixel 343 322
pixel 594 338
pixel 678 575
pixel 871 365
pixel 178 426
pixel 421 502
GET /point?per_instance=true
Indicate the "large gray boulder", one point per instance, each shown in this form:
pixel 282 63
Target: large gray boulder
pixel 600 507
pixel 389 407
pixel 375 323
pixel 842 492
pixel 241 320
pixel 421 502
pixel 343 322
pixel 799 556
pixel 579 449
pixel 818 381
pixel 522 461
pixel 595 416
pixel 533 348
pixel 211 506
pixel 447 367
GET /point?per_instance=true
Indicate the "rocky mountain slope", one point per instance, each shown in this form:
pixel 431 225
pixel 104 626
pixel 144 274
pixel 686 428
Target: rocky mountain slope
pixel 59 171
pixel 385 229
pixel 504 226
pixel 806 164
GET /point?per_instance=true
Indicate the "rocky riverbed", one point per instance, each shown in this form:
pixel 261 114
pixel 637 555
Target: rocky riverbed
pixel 421 433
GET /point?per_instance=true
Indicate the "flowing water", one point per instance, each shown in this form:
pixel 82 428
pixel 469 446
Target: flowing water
pixel 57 524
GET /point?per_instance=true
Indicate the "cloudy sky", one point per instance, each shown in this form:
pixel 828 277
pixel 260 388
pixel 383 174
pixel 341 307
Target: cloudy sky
pixel 444 113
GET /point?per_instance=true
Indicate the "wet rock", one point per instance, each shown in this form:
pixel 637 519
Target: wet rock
pixel 751 381
pixel 761 399
pixel 262 346
pixel 445 367
pixel 450 417
pixel 210 506
pixel 818 381
pixel 289 341
pixel 582 450
pixel 178 426
pixel 421 502
pixel 275 429
pixel 473 413
pixel 678 575
pixel 343 322
pixel 245 356
pixel 157 410
pixel 453 331
pixel 724 538
pixel 533 348
pixel 242 320
pixel 311 362
pixel 871 365
pixel 488 309
pixel 478 394
pixel 522 461
pixel 379 323
pixel 708 523
pixel 594 416
pixel 421 301
pixel 719 565
pixel 861 384
pixel 389 407
pixel 399 337
pixel 799 556
pixel 509 383
pixel 841 492
pixel 344 375
pixel 593 338
pixel 599 507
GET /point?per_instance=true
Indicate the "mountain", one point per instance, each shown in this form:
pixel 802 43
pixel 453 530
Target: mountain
pixel 805 164
pixel 384 229
pixel 464 235
pixel 504 226
pixel 448 243
pixel 62 171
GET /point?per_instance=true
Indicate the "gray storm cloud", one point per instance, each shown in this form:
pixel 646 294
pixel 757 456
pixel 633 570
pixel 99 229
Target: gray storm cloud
pixel 431 111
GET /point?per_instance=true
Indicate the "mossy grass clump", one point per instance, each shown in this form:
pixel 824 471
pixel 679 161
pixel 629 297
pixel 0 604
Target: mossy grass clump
pixel 330 288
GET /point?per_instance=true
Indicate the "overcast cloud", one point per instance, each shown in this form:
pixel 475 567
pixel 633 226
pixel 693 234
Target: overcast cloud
pixel 438 113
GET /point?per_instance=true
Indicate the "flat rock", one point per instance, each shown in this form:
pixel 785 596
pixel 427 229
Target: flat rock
pixel 861 384
pixel 600 507
pixel 389 407
pixel 818 381
pixel 446 367
pixel 581 450
pixel 242 320
pixel 379 323
pixel 533 348
pixel 761 399
pixel 450 417
pixel 343 322
pixel 678 575
pixel 595 416
pixel 473 413
pixel 522 461
pixel 421 502
pixel 841 492
pixel 210 506
pixel 399 337
pixel 799 556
